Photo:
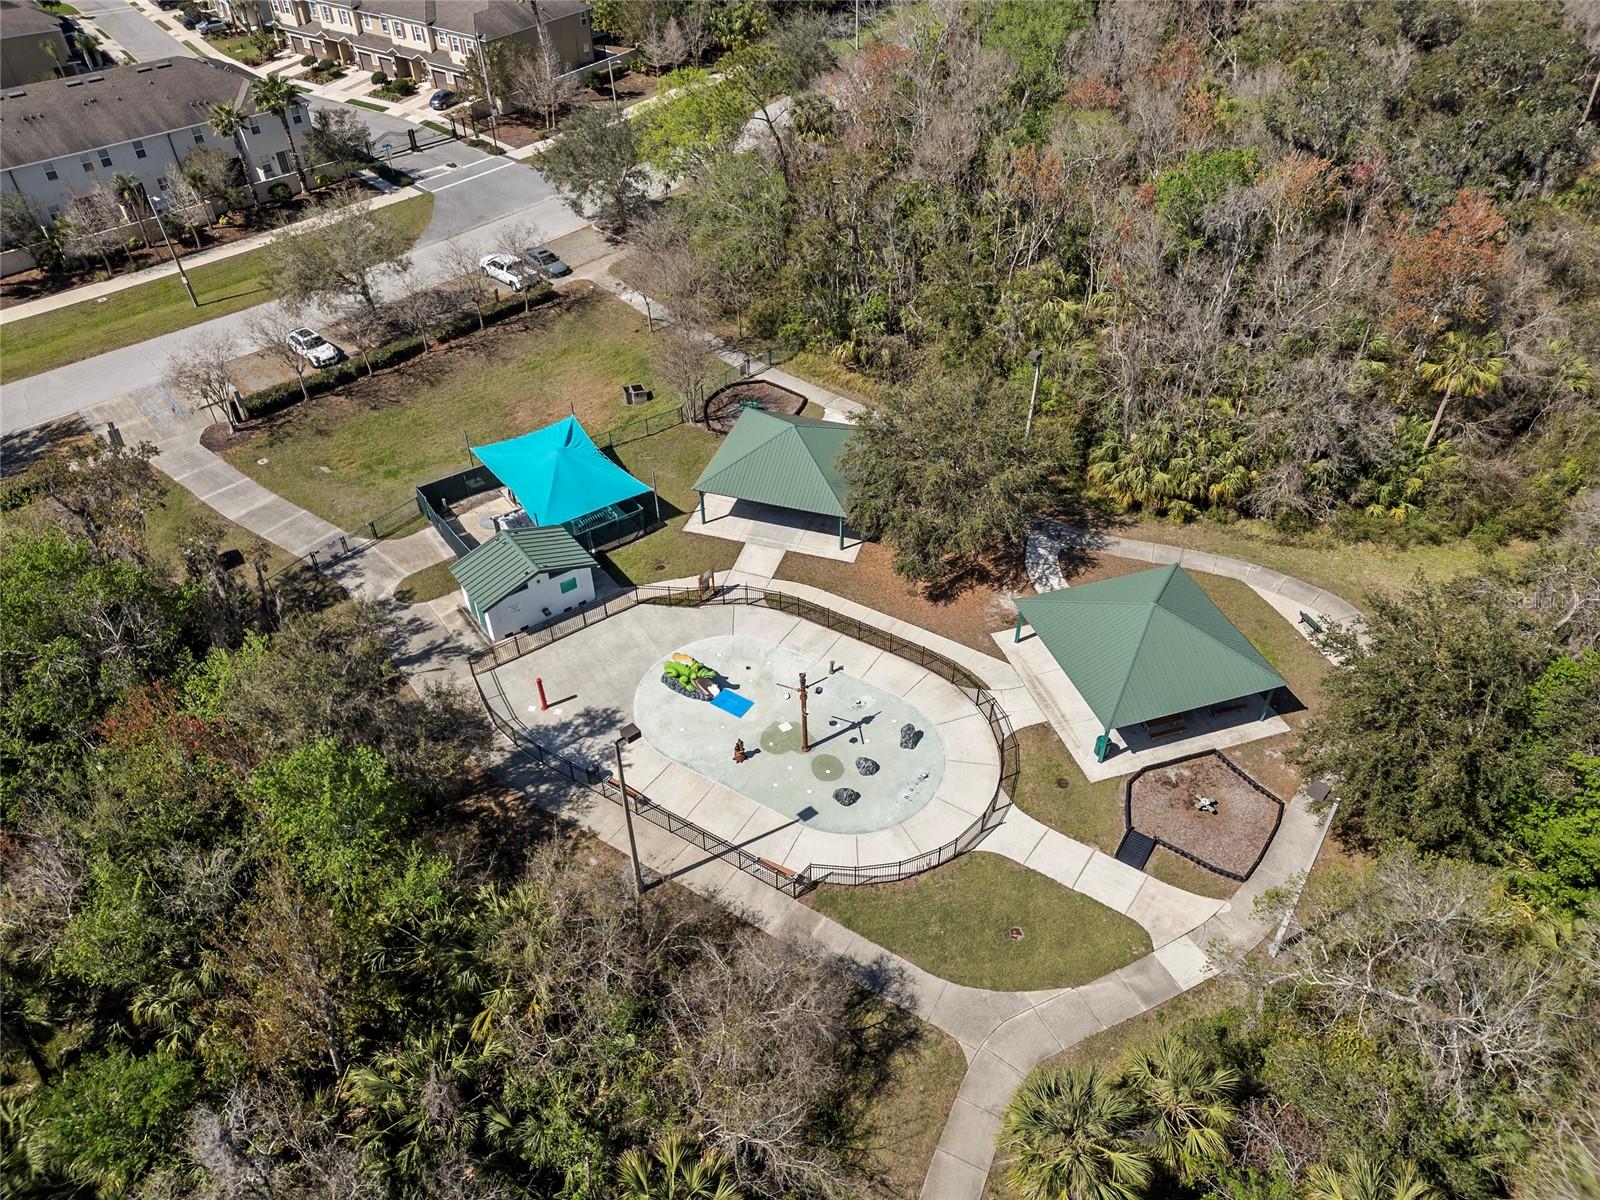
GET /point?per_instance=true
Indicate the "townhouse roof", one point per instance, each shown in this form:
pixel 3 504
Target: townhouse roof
pixel 490 20
pixel 23 18
pixel 56 118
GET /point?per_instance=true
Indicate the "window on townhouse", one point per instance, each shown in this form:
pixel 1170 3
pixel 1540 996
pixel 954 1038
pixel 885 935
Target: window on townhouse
pixel 296 116
pixel 327 14
pixel 344 16
pixel 416 32
pixel 399 31
pixel 88 167
pixel 199 136
pixel 50 171
pixel 105 157
pixel 138 148
pixel 455 43
pixel 366 21
pixel 383 23
pixel 255 129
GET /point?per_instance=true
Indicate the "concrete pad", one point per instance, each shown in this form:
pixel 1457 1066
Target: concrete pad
pixel 1060 857
pixel 815 643
pixel 1186 962
pixel 951 1178
pixel 1111 1000
pixel 1069 1018
pixel 1023 1041
pixel 969 1134
pixel 894 675
pixel 968 786
pixel 766 623
pixel 939 699
pixel 1167 912
pixel 770 527
pixel 884 846
pixel 938 822
pixel 971 1015
pixel 1149 981
pixel 969 739
pixel 989 1082
pixel 854 657
pixel 1112 883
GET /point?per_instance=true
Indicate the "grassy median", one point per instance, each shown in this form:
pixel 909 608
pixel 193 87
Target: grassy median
pixel 149 310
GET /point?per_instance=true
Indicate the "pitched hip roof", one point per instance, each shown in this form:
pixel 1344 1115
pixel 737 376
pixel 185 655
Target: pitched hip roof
pixel 557 473
pixel 491 572
pixel 1146 645
pixel 773 459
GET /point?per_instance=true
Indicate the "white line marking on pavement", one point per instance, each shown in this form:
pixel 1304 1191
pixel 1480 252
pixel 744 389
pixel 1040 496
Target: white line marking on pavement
pixel 457 183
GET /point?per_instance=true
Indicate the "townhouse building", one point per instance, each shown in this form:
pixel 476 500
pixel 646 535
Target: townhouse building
pixel 61 137
pixel 430 41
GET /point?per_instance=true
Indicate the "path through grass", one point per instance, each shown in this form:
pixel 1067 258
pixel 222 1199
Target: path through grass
pixel 149 310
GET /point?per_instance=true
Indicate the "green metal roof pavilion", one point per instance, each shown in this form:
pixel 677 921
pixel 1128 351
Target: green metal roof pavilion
pixel 768 458
pixel 491 572
pixel 1146 645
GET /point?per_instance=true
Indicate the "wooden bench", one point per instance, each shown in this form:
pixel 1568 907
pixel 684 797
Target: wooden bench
pixel 1164 728
pixel 777 868
pixel 1312 623
pixel 1230 706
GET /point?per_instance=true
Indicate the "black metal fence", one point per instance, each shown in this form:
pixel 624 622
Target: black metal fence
pixel 642 427
pixel 504 715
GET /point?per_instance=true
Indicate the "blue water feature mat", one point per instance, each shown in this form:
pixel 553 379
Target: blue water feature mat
pixel 732 702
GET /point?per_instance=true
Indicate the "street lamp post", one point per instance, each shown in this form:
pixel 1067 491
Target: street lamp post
pixel 1036 357
pixel 629 733
pixel 155 211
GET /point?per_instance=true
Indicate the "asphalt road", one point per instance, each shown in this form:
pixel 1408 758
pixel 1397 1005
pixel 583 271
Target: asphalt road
pixel 133 29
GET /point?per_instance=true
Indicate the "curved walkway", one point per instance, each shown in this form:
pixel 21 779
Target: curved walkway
pixel 1002 1034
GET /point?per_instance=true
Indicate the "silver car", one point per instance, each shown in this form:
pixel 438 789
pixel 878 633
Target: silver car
pixel 313 347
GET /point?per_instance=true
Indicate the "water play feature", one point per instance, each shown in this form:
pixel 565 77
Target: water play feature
pixel 863 772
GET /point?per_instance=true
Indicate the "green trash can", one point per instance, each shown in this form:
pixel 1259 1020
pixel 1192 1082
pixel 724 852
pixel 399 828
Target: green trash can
pixel 1102 747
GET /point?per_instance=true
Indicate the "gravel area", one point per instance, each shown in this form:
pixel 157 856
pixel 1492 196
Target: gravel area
pixel 1232 838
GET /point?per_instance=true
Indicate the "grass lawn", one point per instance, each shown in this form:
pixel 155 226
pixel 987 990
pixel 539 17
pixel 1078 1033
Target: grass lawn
pixel 369 104
pixel 427 584
pixel 1347 569
pixel 673 459
pixel 352 454
pixel 1090 812
pixel 905 1116
pixel 955 921
pixel 148 310
pixel 825 372
pixel 968 617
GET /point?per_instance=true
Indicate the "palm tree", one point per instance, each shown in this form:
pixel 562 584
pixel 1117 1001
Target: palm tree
pixel 666 1172
pixel 1071 1136
pixel 1190 1101
pixel 1362 1178
pixel 130 192
pixel 229 121
pixel 1464 365
pixel 276 95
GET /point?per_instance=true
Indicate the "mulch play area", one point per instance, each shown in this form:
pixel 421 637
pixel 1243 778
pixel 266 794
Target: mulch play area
pixel 725 404
pixel 1172 803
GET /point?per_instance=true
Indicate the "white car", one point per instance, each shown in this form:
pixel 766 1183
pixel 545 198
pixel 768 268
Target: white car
pixel 509 270
pixel 313 347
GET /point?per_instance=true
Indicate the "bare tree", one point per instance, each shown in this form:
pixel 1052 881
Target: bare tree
pixel 201 374
pixel 664 46
pixel 269 331
pixel 537 77
pixel 182 204
pixel 366 330
pixel 95 225
pixel 214 173
pixel 465 279
pixel 685 361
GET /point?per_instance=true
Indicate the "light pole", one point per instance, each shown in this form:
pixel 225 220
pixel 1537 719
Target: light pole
pixel 1036 357
pixel 155 212
pixel 629 733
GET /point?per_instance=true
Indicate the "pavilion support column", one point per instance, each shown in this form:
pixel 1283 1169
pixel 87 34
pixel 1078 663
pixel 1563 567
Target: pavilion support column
pixel 702 508
pixel 1266 706
pixel 841 533
pixel 1017 634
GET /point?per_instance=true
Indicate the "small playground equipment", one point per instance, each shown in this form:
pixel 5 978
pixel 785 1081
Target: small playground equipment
pixel 688 676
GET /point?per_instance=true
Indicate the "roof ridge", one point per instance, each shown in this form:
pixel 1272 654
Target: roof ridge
pixel 1133 662
pixel 1257 661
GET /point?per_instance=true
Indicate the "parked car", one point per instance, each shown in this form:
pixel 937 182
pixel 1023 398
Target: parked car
pixel 313 347
pixel 509 270
pixel 208 25
pixel 547 262
pixel 441 100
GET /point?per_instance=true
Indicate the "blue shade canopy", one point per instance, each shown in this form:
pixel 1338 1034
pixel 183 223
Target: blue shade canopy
pixel 557 473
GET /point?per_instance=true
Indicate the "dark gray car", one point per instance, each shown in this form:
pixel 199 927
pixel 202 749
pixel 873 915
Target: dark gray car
pixel 547 262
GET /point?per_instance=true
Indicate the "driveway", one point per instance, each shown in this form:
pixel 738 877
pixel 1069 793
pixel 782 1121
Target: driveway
pixel 135 31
